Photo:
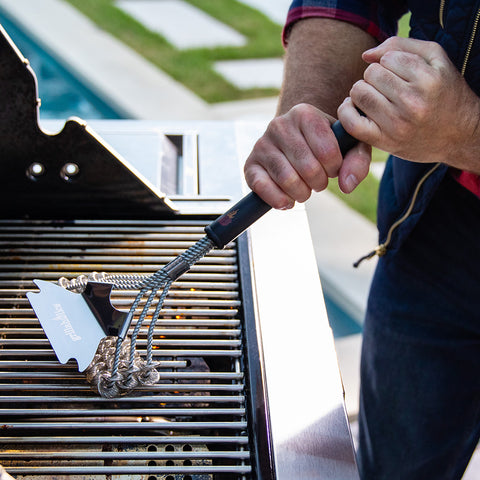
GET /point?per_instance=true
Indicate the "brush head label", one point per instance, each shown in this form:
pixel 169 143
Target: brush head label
pixel 68 322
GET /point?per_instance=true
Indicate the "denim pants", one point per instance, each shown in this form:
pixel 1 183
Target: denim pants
pixel 420 392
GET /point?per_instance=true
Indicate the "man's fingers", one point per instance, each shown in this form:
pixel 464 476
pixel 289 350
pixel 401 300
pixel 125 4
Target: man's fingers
pixel 310 145
pixel 319 137
pixel 385 80
pixel 355 167
pixel 297 154
pixel 297 165
pixel 359 126
pixel 260 182
pixel 431 52
pixel 405 65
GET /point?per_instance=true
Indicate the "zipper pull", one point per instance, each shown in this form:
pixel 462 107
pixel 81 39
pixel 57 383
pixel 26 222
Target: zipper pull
pixel 380 250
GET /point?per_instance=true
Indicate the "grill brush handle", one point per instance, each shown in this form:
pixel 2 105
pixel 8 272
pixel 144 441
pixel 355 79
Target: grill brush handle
pixel 250 208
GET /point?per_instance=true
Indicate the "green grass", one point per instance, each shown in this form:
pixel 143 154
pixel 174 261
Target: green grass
pixel 194 68
pixel 363 199
pixel 403 26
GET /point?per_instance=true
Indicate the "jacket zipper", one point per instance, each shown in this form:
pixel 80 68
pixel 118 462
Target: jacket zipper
pixel 470 42
pixel 381 249
pixel 441 19
pixel 441 12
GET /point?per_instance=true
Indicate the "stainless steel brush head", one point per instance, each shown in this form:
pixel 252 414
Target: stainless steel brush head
pixel 132 372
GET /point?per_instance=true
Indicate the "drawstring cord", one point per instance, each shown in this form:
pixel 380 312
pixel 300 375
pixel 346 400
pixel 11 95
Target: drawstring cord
pixel 380 251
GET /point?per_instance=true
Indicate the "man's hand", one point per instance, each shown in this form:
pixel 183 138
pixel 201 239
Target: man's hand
pixel 299 153
pixel 417 105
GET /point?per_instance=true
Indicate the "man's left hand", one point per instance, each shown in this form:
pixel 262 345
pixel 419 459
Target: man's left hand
pixel 417 105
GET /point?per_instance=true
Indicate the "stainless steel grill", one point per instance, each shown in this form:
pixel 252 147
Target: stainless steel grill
pixel 249 387
pixel 192 425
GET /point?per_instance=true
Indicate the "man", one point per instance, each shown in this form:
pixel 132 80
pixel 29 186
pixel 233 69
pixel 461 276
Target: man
pixel 419 407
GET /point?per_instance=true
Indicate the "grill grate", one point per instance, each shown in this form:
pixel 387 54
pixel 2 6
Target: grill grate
pixel 191 426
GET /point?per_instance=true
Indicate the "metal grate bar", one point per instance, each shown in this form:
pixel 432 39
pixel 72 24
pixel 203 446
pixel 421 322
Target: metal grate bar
pixel 114 456
pixel 149 399
pixel 135 424
pixel 53 276
pixel 164 375
pixel 129 470
pixel 206 284
pixel 177 322
pixel 157 342
pixel 82 266
pixel 126 439
pixel 119 412
pixel 234 353
pixel 167 312
pixel 175 388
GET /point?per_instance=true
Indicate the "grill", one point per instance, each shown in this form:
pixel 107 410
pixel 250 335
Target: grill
pixel 193 424
pixel 249 387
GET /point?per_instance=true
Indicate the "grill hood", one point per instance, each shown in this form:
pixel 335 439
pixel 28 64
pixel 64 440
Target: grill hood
pixel 37 164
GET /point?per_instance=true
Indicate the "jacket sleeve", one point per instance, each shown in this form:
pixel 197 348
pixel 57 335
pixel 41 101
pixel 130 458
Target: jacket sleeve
pixel 379 18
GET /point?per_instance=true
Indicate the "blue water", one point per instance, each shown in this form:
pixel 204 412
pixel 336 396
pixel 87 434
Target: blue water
pixel 61 94
pixel 341 323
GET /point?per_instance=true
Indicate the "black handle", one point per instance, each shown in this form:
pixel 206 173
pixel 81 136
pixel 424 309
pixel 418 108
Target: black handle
pixel 250 208
pixel 345 141
pixel 231 224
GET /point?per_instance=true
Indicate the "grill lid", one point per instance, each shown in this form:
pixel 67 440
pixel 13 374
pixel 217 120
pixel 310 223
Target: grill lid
pixel 67 175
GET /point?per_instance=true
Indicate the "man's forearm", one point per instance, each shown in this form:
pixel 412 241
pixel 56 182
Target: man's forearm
pixel 323 60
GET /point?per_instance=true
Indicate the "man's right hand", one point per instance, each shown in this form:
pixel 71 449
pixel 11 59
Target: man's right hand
pixel 297 154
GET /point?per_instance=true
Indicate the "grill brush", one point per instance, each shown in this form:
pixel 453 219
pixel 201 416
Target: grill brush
pixel 81 323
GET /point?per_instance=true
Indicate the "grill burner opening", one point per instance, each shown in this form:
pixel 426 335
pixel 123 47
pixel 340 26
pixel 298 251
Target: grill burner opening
pixel 192 425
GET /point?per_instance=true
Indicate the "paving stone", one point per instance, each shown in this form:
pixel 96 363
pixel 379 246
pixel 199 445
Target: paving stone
pixel 183 25
pixel 276 10
pixel 263 73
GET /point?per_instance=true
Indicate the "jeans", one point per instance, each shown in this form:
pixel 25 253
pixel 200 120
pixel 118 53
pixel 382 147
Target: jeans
pixel 420 373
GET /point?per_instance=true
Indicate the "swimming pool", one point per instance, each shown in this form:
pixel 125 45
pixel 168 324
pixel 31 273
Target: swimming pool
pixel 62 95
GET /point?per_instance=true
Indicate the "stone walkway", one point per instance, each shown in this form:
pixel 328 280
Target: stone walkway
pixel 198 30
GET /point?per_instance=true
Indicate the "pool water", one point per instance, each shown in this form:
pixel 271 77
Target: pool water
pixel 61 94
pixel 341 323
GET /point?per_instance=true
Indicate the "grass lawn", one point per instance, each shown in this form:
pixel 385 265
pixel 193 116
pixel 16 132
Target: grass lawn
pixel 194 67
